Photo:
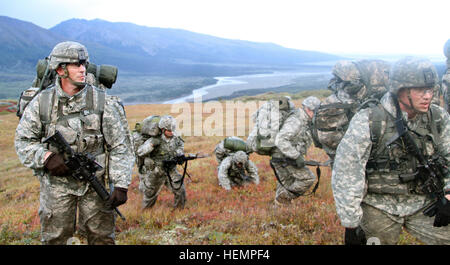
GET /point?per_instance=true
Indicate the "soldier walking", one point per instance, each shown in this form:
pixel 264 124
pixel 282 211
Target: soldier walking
pixel 154 151
pixel 379 184
pixel 287 158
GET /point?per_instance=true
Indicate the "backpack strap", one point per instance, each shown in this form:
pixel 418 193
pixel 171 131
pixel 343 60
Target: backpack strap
pixel 101 98
pixel 377 115
pixel 46 102
pixel 435 116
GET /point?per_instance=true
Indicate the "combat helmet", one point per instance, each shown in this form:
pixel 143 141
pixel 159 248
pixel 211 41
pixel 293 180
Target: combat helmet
pixel 347 77
pixel 447 49
pixel 68 52
pixel 240 157
pixel 150 125
pixel 285 103
pixel 167 122
pixel 412 72
pixel 311 102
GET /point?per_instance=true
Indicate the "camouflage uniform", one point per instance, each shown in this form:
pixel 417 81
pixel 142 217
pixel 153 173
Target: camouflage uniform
pixel 230 174
pixel 60 196
pixel 153 176
pixel 292 142
pixel 446 77
pixel 366 187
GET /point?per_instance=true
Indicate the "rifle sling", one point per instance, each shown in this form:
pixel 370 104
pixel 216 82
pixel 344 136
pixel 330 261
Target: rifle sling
pixel 167 169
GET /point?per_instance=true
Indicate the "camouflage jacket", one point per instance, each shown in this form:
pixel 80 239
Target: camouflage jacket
pixel 161 147
pixel 30 133
pixel 294 137
pixel 445 89
pixel 349 181
pixel 229 173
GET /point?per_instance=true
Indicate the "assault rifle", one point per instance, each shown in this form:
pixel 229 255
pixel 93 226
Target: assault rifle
pixel 430 172
pixel 170 163
pixel 82 166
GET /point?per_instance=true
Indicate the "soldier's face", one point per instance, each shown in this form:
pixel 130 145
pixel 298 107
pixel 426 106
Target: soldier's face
pixel 77 72
pixel 168 134
pixel 421 98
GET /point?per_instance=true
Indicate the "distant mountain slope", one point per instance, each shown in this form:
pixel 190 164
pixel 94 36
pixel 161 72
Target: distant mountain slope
pixel 144 49
pixel 177 46
pixel 22 43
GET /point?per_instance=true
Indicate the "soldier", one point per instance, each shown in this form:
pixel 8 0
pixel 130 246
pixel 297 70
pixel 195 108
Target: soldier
pixel 291 144
pixel 446 77
pixel 90 123
pixel 375 183
pixel 155 150
pixel 237 170
pixel 353 83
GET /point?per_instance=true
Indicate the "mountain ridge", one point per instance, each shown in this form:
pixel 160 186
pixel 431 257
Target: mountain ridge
pixel 133 47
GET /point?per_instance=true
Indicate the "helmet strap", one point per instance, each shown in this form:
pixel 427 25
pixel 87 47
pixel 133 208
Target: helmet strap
pixel 78 85
pixel 409 106
pixel 66 72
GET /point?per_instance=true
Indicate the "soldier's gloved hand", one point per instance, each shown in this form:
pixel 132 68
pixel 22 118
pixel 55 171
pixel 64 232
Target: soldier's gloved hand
pixel 355 236
pixel 180 159
pixel 56 165
pixel 118 197
pixel 300 162
pixel 443 213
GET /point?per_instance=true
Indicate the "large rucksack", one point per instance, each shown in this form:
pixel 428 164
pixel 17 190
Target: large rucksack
pixel 229 146
pixel 332 117
pixel 268 119
pixel 142 132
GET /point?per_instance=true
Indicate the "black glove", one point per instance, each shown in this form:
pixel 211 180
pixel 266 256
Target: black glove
pixel 118 197
pixel 300 162
pixel 179 159
pixel 355 236
pixel 56 165
pixel 443 213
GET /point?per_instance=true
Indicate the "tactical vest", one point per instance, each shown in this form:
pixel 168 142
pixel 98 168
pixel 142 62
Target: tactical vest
pixel 390 169
pixel 164 150
pixel 87 140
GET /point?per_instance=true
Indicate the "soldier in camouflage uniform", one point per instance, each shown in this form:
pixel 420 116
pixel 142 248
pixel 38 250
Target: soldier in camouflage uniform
pixel 287 159
pixel 446 77
pixel 371 200
pixel 88 125
pixel 237 170
pixel 353 83
pixel 165 146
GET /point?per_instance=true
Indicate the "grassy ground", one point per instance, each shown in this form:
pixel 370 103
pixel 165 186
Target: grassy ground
pixel 212 215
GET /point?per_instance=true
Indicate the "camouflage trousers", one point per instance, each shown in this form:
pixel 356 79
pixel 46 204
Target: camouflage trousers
pixel 151 184
pixel 295 181
pixel 387 228
pixel 58 215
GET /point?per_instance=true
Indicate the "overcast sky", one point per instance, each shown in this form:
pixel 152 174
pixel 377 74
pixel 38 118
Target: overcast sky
pixel 339 26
